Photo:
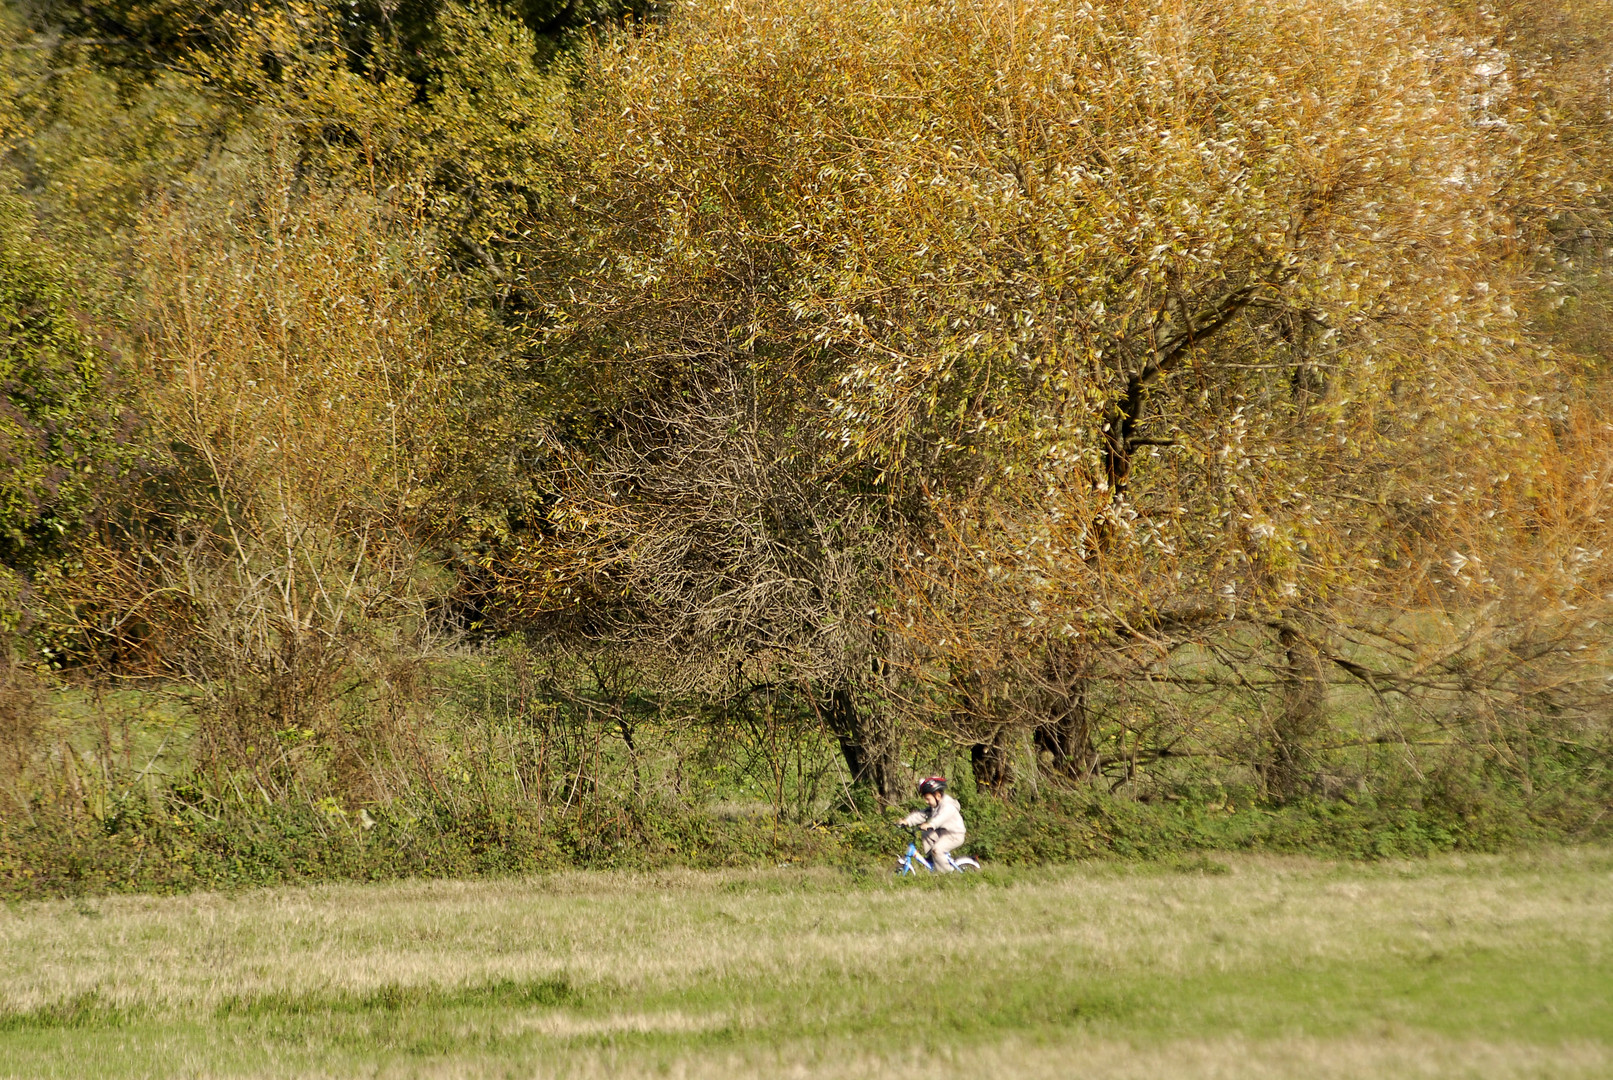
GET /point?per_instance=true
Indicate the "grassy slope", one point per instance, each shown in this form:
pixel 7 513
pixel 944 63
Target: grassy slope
pixel 1493 966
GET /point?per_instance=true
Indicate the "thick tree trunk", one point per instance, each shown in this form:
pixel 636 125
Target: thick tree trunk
pixel 1308 381
pixel 865 744
pixel 1066 738
pixel 1290 761
pixel 991 763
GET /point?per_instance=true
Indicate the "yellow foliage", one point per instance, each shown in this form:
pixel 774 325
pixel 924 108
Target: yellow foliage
pixel 1143 321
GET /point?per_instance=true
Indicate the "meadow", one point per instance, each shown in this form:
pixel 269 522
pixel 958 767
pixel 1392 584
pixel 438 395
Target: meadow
pixel 1246 965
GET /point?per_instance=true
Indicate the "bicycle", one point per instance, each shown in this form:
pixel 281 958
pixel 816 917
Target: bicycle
pixel 907 863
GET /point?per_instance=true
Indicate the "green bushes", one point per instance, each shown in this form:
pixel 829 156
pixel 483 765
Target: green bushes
pixel 513 759
pixel 172 852
pixel 177 838
pixel 56 419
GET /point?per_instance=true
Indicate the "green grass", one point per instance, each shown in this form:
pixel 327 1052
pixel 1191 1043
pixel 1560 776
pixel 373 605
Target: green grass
pixel 1240 966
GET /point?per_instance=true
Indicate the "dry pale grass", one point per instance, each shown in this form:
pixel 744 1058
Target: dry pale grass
pixel 1386 1055
pixel 681 928
pixel 785 972
pixel 1389 1056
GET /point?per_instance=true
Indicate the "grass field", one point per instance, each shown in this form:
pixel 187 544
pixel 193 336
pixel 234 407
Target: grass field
pixel 1252 966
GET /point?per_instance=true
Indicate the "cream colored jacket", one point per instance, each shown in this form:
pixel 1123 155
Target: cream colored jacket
pixel 946 819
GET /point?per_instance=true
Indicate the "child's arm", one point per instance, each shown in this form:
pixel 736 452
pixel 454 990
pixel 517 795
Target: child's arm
pixel 917 817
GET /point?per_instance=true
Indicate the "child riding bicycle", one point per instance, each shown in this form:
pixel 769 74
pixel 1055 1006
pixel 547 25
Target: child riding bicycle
pixel 941 823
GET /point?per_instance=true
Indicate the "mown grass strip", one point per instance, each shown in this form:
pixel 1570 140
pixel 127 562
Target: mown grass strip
pixel 393 997
pixel 86 1010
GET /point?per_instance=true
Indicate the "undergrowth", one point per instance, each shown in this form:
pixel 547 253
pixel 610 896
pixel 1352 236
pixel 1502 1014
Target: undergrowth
pixel 148 847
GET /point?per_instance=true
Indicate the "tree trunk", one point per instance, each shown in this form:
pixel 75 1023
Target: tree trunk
pixel 1067 737
pixel 1290 761
pixel 990 762
pixel 865 744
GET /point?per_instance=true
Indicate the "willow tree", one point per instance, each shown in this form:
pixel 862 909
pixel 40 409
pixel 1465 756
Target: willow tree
pixel 1121 325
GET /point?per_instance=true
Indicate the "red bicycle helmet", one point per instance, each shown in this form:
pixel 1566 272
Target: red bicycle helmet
pixel 932 785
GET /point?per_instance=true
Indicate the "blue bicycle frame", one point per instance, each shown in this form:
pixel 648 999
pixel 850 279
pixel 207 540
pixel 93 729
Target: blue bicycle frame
pixel 909 863
pixel 905 866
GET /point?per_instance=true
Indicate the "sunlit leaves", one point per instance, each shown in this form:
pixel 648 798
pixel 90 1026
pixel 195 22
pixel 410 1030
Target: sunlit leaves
pixel 55 425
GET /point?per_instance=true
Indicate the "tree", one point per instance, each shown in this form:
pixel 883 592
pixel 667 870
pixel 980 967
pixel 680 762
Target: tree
pixel 58 421
pixel 143 37
pixel 1135 323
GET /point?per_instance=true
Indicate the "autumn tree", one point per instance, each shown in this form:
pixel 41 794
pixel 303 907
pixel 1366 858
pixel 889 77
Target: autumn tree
pixel 1124 325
